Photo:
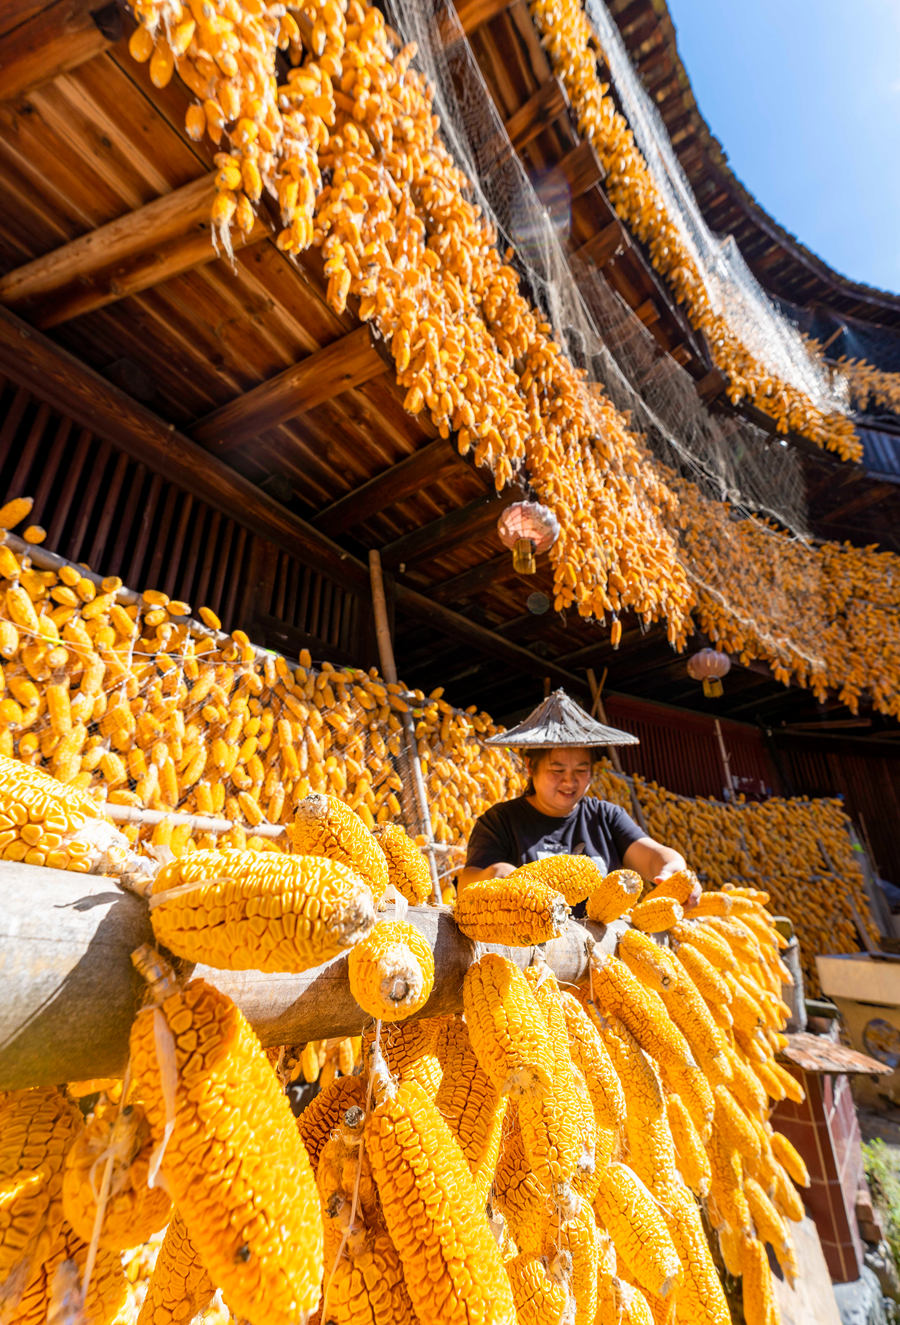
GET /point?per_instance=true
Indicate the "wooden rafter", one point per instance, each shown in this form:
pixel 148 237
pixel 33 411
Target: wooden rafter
pixel 441 535
pixel 425 466
pixel 345 363
pixel 162 239
pixel 471 582
pixel 472 13
pixel 54 41
pixel 533 116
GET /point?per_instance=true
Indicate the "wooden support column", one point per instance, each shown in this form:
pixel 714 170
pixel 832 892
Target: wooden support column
pixel 337 367
pixel 72 993
pixel 167 236
pixel 54 41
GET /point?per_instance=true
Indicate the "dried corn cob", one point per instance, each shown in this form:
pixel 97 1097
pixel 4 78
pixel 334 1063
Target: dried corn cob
pixel 325 826
pixel 391 971
pixel 575 877
pixel 324 1112
pixel 432 1212
pixel 650 963
pixel 46 823
pixel 517 1193
pixel 249 910
pixel 408 870
pixel 506 1028
pixel 133 1210
pixel 471 1106
pixel 654 915
pixel 260 1240
pixel 411 1051
pixel 614 895
pixel 629 1213
pixel 179 1287
pixel 519 914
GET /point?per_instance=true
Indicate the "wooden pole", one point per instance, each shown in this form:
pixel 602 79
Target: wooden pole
pixel 726 760
pixel 70 993
pixel 389 672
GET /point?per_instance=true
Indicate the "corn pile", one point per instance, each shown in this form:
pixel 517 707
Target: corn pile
pixel 870 387
pixel 799 851
pixel 546 1157
pixel 572 46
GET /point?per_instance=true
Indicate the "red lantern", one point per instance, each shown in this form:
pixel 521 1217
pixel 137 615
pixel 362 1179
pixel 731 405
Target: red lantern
pixel 527 528
pixel 709 666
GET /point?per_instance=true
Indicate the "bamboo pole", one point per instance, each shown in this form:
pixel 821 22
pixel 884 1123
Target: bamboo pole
pixel 389 672
pixel 70 993
pixel 726 760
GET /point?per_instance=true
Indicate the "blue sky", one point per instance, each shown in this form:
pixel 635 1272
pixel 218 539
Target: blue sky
pixel 804 96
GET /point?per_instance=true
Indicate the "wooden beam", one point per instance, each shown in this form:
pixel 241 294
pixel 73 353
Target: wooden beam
pixel 470 582
pixel 427 612
pixel 31 360
pixel 578 171
pixel 408 476
pixel 604 245
pixel 434 539
pixel 54 41
pixel 345 363
pixel 538 112
pixel 165 237
pixel 72 993
pixel 472 13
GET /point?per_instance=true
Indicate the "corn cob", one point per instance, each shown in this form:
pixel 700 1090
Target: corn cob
pixel 391 971
pixel 707 941
pixel 691 1015
pixel 179 1287
pixel 789 1159
pixel 590 1054
pixel 408 870
pixel 13 512
pixel 784 1195
pixel 575 877
pixel 411 1051
pixel 37 1129
pixel 706 978
pixel 690 1155
pixel 538 1290
pixel 63 825
pixel 650 963
pixel 247 910
pixel 549 1121
pixel 628 1212
pixel 757 1297
pixel 134 1210
pixel 654 915
pixel 577 1239
pixel 650 1148
pixel 55 1288
pixel 615 894
pixel 324 1112
pixel 504 911
pixel 506 1028
pixel 472 1108
pixel 432 1212
pixel 701 1299
pixel 516 1191
pixel 260 1240
pixel 727 1203
pixel 631 1306
pixel 677 886
pixel 325 826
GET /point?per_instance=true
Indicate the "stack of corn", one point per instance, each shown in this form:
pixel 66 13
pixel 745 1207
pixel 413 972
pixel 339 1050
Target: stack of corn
pixel 585 1130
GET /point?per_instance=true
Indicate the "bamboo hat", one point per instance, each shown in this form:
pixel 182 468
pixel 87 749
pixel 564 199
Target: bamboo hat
pixel 557 722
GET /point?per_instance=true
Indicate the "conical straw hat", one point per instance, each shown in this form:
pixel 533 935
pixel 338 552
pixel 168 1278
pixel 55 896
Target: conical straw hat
pixel 559 721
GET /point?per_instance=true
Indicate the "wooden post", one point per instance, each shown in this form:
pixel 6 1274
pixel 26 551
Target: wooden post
pixel 726 760
pixel 414 767
pixel 71 993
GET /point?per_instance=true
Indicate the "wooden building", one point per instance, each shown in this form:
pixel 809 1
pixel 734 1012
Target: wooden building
pixel 219 432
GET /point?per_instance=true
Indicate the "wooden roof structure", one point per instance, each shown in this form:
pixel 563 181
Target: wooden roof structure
pixel 127 347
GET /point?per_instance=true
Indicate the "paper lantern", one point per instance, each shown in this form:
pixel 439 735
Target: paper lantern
pixel 709 666
pixel 527 528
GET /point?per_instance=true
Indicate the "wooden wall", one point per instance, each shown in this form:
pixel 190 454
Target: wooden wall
pixel 121 518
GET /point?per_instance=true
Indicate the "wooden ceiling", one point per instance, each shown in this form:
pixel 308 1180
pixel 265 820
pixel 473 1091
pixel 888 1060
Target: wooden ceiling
pixel 256 396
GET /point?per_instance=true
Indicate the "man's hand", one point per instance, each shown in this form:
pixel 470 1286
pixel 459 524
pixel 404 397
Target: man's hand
pixel 671 868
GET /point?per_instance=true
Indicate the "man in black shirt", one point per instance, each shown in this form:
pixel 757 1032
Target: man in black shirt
pixel 554 816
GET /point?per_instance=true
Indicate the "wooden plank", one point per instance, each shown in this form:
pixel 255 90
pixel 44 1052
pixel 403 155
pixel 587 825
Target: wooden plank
pixel 538 112
pixel 30 359
pixel 438 537
pixel 579 170
pixel 53 464
pixel 95 555
pixel 321 376
pixel 55 41
pixel 605 244
pixel 74 466
pixel 162 239
pixel 72 993
pixel 29 449
pixel 407 476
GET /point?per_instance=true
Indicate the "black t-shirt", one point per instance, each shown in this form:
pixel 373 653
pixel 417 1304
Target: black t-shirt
pixel 516 832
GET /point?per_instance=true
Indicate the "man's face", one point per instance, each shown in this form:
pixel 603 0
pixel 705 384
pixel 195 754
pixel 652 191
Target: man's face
pixel 561 779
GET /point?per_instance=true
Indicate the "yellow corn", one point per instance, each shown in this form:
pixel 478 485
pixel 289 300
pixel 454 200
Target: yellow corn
pixel 391 971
